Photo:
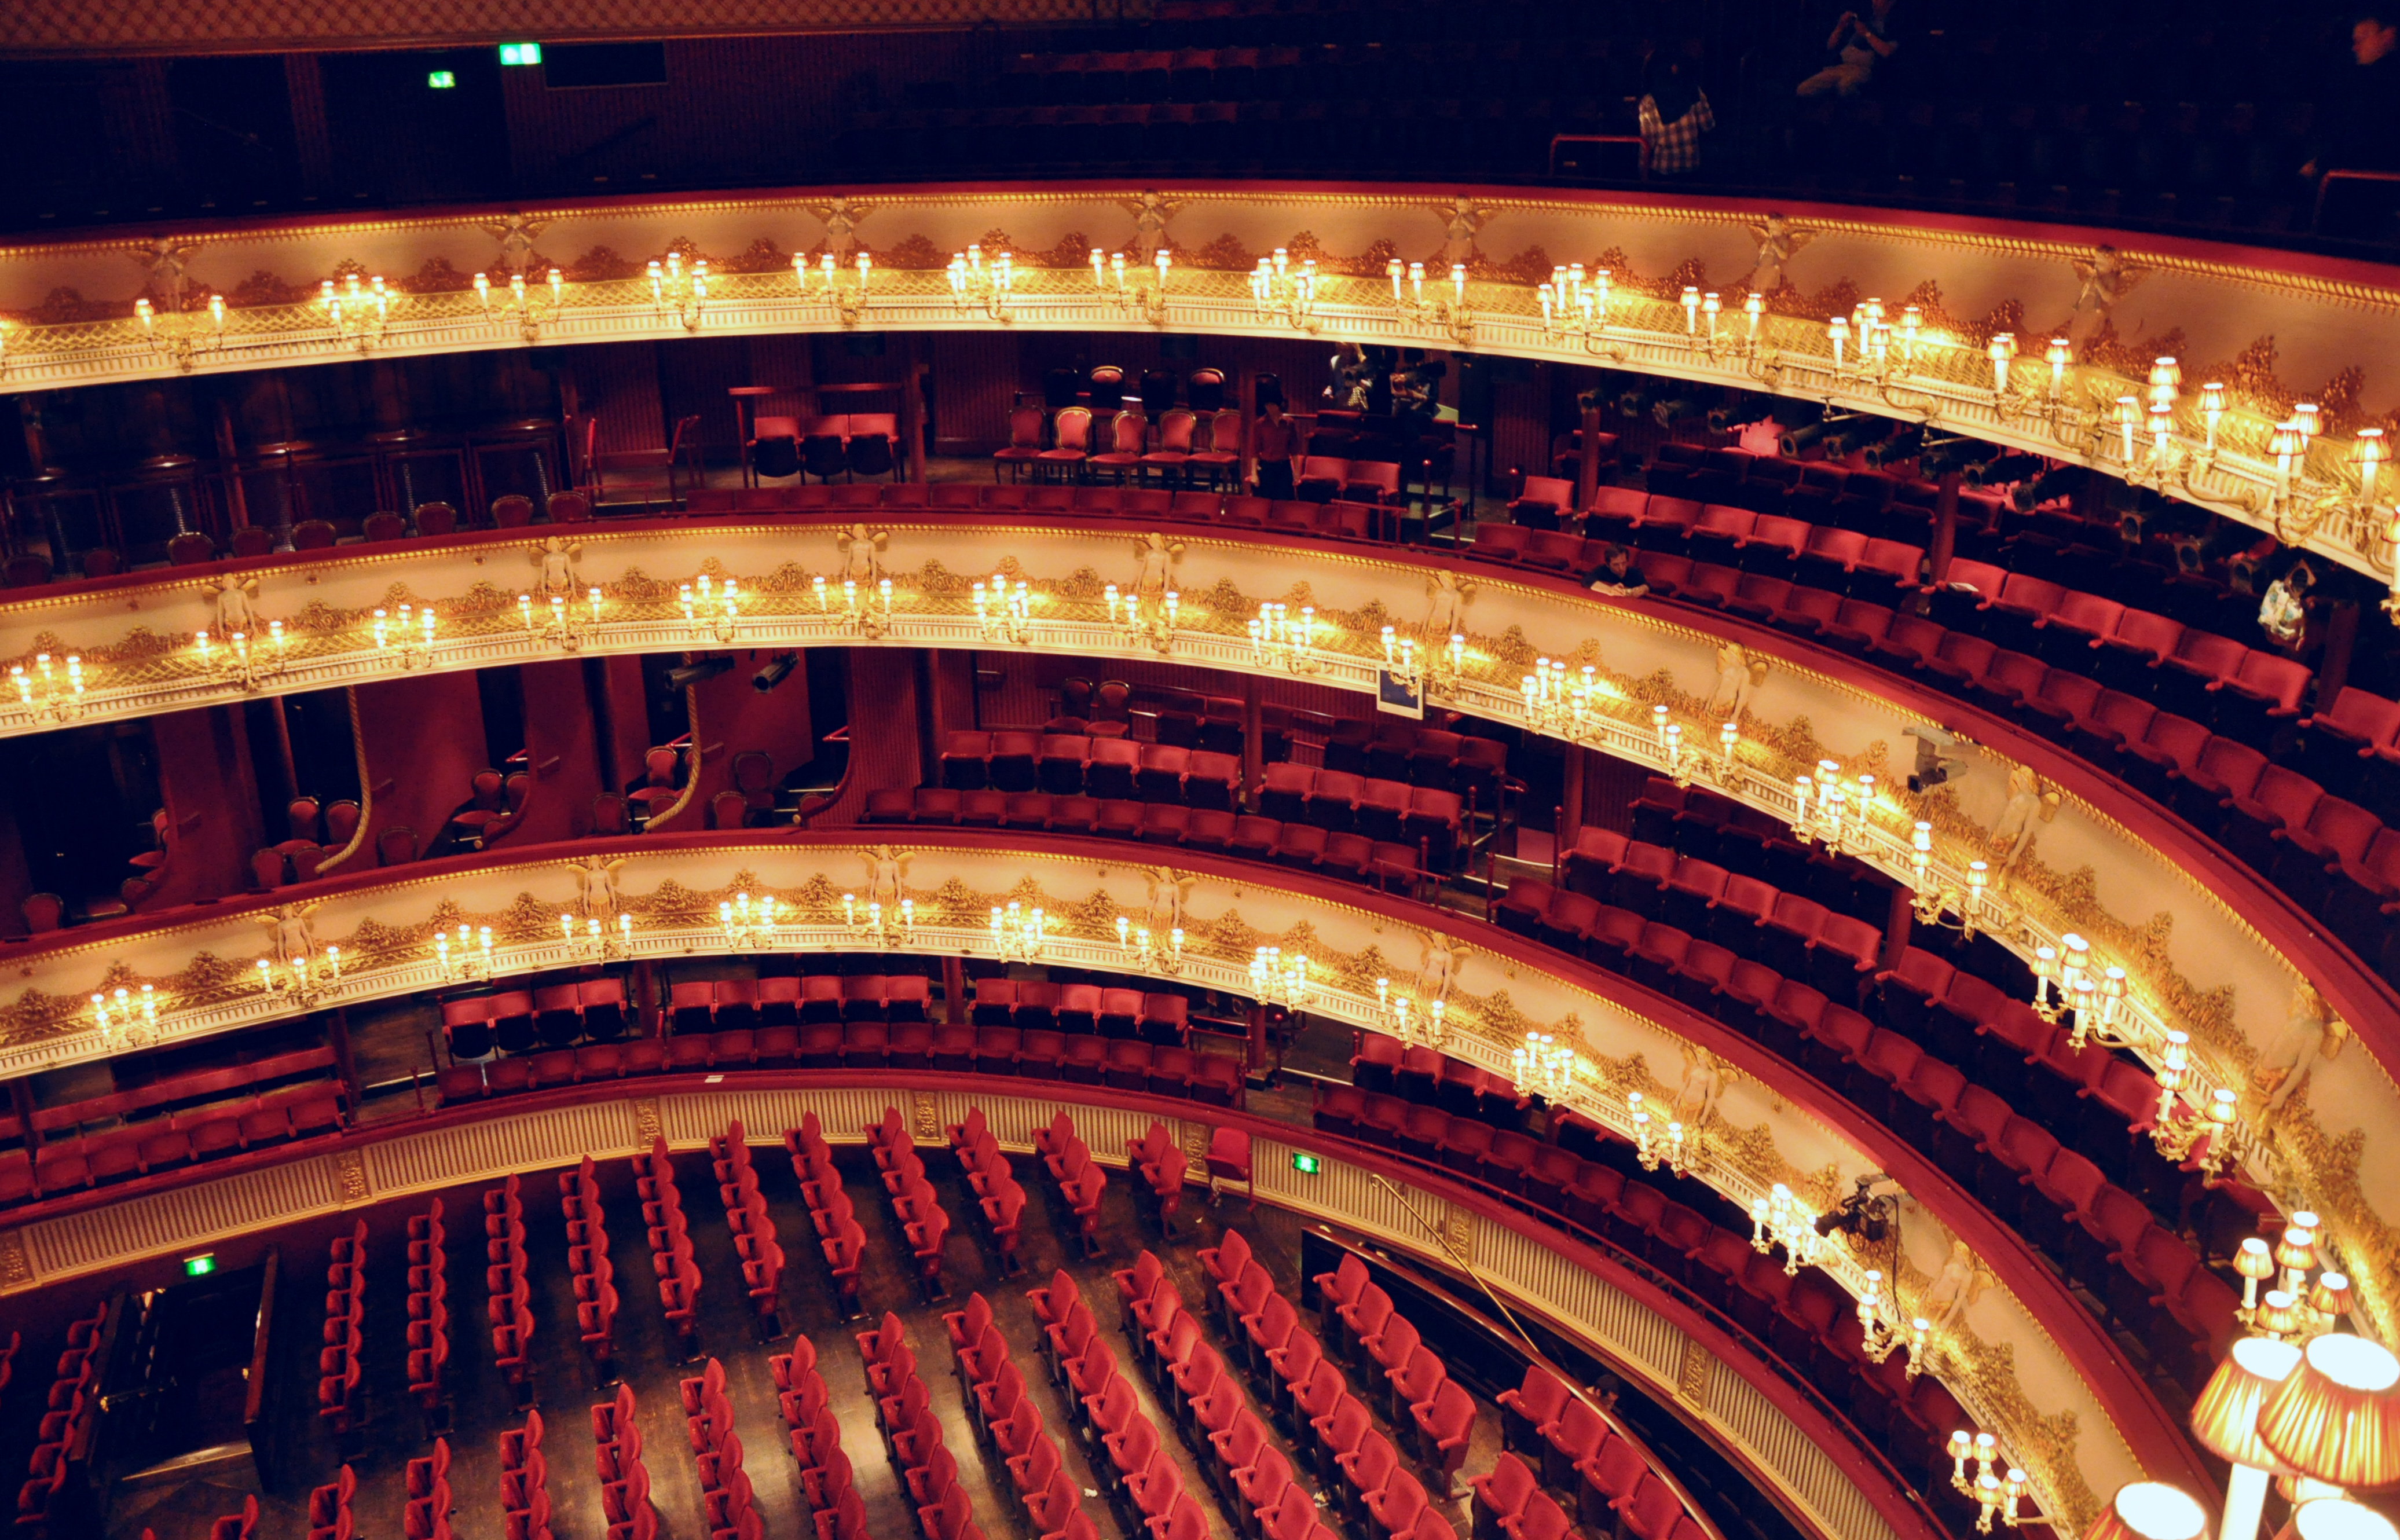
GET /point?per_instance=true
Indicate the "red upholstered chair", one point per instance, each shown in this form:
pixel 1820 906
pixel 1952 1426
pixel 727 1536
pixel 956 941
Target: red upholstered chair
pixel 1024 446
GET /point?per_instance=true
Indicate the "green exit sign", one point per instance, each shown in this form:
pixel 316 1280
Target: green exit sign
pixel 519 53
pixel 1306 1165
pixel 201 1265
pixel 440 80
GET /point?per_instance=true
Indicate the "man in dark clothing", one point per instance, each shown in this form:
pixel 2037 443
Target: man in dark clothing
pixel 2358 129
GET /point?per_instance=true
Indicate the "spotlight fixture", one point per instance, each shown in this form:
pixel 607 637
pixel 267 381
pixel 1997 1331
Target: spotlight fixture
pixel 688 675
pixel 778 670
pixel 1865 1214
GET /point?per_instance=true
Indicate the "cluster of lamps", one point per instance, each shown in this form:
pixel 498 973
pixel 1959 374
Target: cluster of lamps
pixel 743 923
pixel 1403 1016
pixel 591 941
pixel 300 979
pixel 1824 809
pixel 1415 673
pixel 1279 291
pixel 1006 614
pixel 562 623
pixel 1544 1066
pixel 974 285
pixel 1280 640
pixel 1017 932
pixel 712 613
pixel 1674 1147
pixel 678 293
pixel 897 925
pixel 1935 899
pixel 182 340
pixel 1145 622
pixel 237 661
pixel 1142 950
pixel 519 305
pixel 847 302
pixel 1878 1338
pixel 868 614
pixel 1448 312
pixel 46 693
pixel 410 638
pixel 1279 980
pixel 359 313
pixel 1554 703
pixel 129 1021
pixel 1131 297
pixel 1781 1219
pixel 470 959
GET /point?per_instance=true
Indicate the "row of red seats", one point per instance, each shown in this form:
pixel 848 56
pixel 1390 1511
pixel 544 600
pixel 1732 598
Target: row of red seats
pixel 1006 1417
pixel 200 1085
pixel 345 1305
pixel 520 1019
pixel 617 1460
pixel 1803 1326
pixel 754 1230
pixel 525 1482
pixel 65 1415
pixel 1557 1438
pixel 670 1240
pixel 1390 748
pixel 1379 1062
pixel 426 1482
pixel 1159 1165
pixel 1376 1341
pixel 509 1308
pixel 429 1307
pixel 237 1526
pixel 1143 1482
pixel 1339 802
pixel 152 1144
pixel 840 1239
pixel 924 1224
pixel 330 1515
pixel 809 1424
pixel 587 1260
pixel 1079 1177
pixel 1249 1474
pixel 1073 764
pixel 1306 847
pixel 731 1505
pixel 728 1005
pixel 1033 1004
pixel 994 1185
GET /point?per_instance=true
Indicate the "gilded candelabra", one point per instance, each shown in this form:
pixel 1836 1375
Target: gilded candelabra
pixel 1279 641
pixel 521 306
pixel 1279 980
pixel 1143 952
pixel 567 625
pixel 1005 613
pixel 1403 1016
pixel 129 1021
pixel 236 659
pixel 1781 1219
pixel 1421 673
pixel 1998 1486
pixel 745 924
pixel 300 981
pixel 1281 291
pixel 358 313
pixel 975 286
pixel 1018 933
pixel 1131 297
pixel 879 925
pixel 862 612
pixel 1677 1147
pixel 1447 313
pixel 183 340
pixel 408 640
pixel 848 302
pixel 592 942
pixel 711 614
pixel 1145 622
pixel 46 693
pixel 678 293
pixel 470 959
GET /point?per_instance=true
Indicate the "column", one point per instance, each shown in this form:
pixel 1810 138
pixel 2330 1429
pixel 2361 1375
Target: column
pixel 304 81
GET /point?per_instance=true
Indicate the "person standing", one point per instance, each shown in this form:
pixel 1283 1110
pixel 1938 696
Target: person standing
pixel 1275 437
pixel 2357 126
pixel 1855 44
pixel 1672 114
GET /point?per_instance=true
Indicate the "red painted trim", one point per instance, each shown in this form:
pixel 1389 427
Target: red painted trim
pixel 2155 1436
pixel 2356 993
pixel 1900 221
pixel 1836 1439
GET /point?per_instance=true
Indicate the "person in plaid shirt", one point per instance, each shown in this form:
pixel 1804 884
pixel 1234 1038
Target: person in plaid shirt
pixel 1672 114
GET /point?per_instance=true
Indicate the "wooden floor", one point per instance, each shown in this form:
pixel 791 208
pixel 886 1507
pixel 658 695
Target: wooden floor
pixel 650 1359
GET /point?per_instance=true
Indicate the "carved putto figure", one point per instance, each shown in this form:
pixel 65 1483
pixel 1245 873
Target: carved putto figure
pixel 2102 280
pixel 288 924
pixel 1959 1284
pixel 862 551
pixel 1779 241
pixel 557 559
pixel 1163 912
pixel 1738 675
pixel 235 605
pixel 595 881
pixel 1460 227
pixel 1441 960
pixel 1703 1085
pixel 1446 616
pixel 2027 804
pixel 2310 1035
pixel 885 868
pixel 1157 555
